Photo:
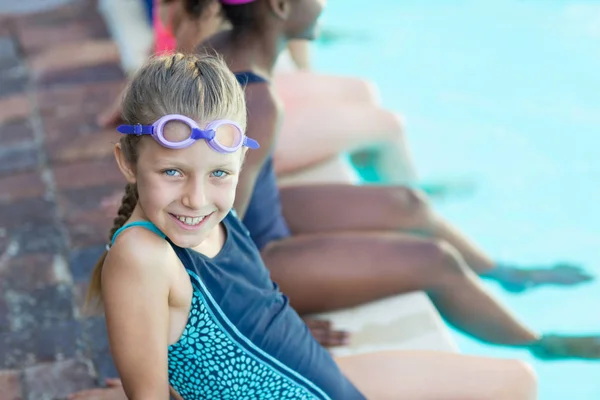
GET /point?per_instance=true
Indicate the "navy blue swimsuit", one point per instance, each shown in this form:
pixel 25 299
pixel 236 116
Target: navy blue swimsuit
pixel 264 215
pixel 242 339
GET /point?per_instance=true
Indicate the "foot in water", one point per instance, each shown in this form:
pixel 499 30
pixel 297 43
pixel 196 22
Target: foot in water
pixel 444 189
pixel 559 347
pixel 518 280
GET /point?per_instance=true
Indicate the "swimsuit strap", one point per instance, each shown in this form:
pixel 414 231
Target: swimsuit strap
pixel 144 224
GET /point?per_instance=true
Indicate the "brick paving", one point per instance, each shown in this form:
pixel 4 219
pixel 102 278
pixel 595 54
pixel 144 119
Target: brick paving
pixel 58 70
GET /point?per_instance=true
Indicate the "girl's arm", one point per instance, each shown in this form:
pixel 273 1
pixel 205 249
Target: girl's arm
pixel 263 122
pixel 135 292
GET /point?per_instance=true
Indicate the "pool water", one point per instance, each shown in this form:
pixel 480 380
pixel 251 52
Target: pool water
pixel 505 93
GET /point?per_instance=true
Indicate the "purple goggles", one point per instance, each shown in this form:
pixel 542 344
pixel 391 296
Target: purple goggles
pixel 222 135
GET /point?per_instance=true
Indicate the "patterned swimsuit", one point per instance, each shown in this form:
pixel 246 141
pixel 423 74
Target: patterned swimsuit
pixel 242 340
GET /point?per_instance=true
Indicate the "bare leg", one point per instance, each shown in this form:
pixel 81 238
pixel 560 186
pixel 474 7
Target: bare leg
pixel 330 271
pixel 511 277
pixel 304 87
pixel 353 109
pixel 316 208
pixel 438 376
pixel 312 209
pixel 310 135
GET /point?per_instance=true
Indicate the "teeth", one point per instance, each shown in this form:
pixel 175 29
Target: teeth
pixel 190 220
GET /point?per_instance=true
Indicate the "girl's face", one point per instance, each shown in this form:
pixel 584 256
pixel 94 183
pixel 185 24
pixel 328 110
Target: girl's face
pixel 186 193
pixel 304 15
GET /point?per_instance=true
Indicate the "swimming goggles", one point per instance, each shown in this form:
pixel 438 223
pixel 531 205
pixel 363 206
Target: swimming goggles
pixel 222 135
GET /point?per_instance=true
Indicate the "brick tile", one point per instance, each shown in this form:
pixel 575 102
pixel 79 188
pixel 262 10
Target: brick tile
pixel 70 126
pixel 90 232
pixel 4 320
pixel 13 80
pixel 94 333
pixel 9 56
pixel 105 366
pixel 96 339
pixel 13 70
pixel 20 157
pixel 72 56
pixel 85 146
pixel 39 308
pixel 8 48
pixel 33 271
pixel 69 101
pixel 26 347
pixel 110 72
pixel 83 260
pixel 86 219
pixel 83 174
pixel 35 38
pixel 21 185
pixel 75 202
pixel 14 107
pixel 13 74
pixel 32 238
pixel 78 139
pixel 112 202
pixel 27 212
pixel 81 10
pixel 6 26
pixel 59 379
pixel 15 131
pixel 10 385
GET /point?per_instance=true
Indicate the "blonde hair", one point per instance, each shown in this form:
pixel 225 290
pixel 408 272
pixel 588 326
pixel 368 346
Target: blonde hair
pixel 200 87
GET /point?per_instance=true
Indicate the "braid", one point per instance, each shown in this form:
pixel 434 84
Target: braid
pixel 128 203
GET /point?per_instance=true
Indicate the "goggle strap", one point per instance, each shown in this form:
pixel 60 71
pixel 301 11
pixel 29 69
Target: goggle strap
pixel 137 129
pixel 250 143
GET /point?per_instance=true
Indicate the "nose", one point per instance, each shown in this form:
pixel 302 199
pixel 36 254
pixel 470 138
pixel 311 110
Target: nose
pixel 195 194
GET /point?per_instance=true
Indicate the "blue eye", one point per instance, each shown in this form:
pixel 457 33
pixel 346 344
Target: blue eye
pixel 171 172
pixel 219 173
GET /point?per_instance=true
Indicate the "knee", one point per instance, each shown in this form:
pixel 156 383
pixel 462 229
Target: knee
pixel 363 89
pixel 412 209
pixel 395 121
pixel 439 267
pixel 521 381
pixel 446 261
pixel 389 126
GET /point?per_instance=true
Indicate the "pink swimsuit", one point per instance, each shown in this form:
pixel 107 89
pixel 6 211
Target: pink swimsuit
pixel 164 41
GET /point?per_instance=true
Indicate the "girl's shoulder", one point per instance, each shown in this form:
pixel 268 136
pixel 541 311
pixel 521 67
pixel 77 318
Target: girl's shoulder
pixel 139 250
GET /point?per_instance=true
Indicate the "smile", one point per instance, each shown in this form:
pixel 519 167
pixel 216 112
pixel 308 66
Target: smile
pixel 190 221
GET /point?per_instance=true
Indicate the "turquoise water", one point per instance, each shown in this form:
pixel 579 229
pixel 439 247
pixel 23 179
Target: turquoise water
pixel 505 93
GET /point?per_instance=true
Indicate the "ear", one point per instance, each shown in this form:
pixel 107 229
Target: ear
pixel 280 8
pixel 126 169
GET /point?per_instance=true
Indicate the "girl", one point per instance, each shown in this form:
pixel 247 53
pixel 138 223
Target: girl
pixel 190 308
pixel 324 242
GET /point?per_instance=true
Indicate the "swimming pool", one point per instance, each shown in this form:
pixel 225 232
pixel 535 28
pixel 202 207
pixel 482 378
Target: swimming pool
pixel 505 93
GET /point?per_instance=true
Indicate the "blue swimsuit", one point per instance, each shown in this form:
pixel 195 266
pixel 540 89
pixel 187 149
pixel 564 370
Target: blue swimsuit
pixel 242 339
